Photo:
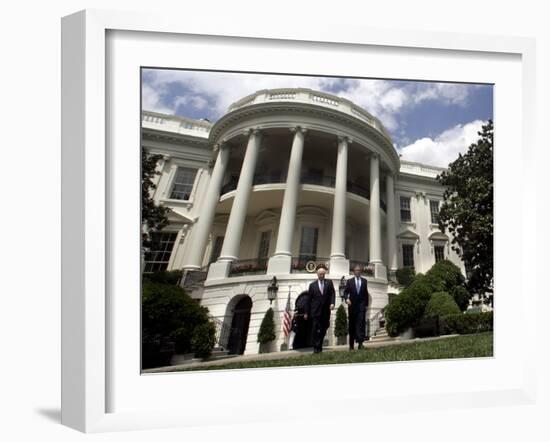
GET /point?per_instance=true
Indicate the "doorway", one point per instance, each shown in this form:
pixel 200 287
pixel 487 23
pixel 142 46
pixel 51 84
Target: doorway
pixel 303 326
pixel 239 326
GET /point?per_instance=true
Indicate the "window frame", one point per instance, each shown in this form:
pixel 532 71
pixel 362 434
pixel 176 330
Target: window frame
pixel 401 199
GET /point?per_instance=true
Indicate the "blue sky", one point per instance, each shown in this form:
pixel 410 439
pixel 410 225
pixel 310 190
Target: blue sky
pixel 429 122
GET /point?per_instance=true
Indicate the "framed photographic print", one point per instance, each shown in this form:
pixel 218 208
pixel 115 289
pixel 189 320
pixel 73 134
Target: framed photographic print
pixel 246 211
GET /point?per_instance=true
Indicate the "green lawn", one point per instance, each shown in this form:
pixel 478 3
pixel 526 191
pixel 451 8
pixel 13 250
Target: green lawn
pixel 465 346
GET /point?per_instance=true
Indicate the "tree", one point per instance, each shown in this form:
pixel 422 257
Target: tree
pixel 267 328
pixel 467 210
pixel 153 217
pixel 341 323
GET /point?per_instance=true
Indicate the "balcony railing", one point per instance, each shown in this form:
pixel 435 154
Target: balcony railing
pixel 307 263
pixel 248 267
pixel 318 180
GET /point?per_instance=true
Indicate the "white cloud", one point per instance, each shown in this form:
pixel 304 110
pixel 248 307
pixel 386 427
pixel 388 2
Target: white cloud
pixel 447 93
pixel 216 91
pixel 151 99
pixel 444 148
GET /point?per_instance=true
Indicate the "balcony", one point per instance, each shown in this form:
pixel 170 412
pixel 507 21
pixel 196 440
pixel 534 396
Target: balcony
pixel 317 180
pixel 307 264
pixel 244 267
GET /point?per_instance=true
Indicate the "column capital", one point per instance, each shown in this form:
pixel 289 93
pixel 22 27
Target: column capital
pixel 298 128
pixel 253 131
pixel 345 138
pixel 374 155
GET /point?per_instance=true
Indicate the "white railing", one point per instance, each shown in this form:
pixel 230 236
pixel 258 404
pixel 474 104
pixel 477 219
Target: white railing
pixel 304 95
pixel 175 123
pixel 331 100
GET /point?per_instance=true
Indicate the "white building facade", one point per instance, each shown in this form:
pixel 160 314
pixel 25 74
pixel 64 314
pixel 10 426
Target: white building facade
pixel 285 180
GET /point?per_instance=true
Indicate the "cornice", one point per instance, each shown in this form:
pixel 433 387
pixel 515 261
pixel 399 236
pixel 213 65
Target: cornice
pixel 222 126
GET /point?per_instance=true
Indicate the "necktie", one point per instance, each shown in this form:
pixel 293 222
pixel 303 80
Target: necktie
pixel 322 286
pixel 357 284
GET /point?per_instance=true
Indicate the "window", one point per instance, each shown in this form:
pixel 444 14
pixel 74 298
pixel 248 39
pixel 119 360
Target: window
pixel 434 211
pixel 405 203
pixel 439 252
pixel 308 242
pixel 157 258
pixel 183 183
pixel 263 249
pixel 408 255
pixel 216 249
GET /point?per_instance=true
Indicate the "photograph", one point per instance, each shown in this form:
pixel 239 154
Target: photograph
pixel 291 219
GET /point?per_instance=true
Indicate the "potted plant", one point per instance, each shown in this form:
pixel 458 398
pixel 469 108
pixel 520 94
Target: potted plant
pixel 267 332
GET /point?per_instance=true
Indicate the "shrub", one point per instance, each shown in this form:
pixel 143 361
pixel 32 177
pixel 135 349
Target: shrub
pixel 168 312
pixel 267 328
pixel 405 276
pixel 402 312
pixel 461 296
pixel 203 339
pixel 166 277
pixel 441 304
pixel 464 323
pixel 448 273
pixel 341 322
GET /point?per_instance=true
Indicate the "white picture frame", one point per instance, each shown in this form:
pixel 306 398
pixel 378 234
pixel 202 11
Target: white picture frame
pixel 86 314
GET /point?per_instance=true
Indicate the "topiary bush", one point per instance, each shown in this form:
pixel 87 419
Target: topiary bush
pixel 441 304
pixel 405 276
pixel 404 311
pixel 461 296
pixel 341 322
pixel 267 328
pixel 203 339
pixel 447 273
pixel 466 323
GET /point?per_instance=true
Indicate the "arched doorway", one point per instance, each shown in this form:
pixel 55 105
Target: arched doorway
pixel 303 331
pixel 236 343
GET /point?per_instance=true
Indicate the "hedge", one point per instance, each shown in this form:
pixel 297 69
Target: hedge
pixel 405 276
pixel 341 323
pixel 168 312
pixel 407 309
pixel 466 323
pixel 203 339
pixel 441 304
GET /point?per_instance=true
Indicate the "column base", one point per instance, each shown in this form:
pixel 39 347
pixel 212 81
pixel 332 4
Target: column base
pixel 219 270
pixel 380 271
pixel 339 267
pixel 279 264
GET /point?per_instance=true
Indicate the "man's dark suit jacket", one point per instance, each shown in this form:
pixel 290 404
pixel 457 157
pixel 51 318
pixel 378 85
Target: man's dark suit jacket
pixel 319 303
pixel 360 299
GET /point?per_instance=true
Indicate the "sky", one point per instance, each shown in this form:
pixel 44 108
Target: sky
pixel 429 122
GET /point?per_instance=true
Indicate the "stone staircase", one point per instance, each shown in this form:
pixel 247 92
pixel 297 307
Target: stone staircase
pixel 381 335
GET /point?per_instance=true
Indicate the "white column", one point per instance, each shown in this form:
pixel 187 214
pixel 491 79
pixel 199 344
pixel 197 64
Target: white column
pixel 339 265
pixel 281 261
pixel 390 219
pixel 199 234
pixel 237 217
pixel 375 240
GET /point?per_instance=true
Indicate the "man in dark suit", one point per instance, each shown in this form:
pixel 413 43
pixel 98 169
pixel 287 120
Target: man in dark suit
pixel 321 298
pixel 357 299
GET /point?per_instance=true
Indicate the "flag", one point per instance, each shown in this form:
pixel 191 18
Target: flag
pixel 287 319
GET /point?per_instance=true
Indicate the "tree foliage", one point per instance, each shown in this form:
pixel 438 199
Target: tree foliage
pixel 153 216
pixel 467 209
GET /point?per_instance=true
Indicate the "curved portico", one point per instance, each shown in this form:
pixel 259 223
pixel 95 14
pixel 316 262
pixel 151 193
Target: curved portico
pixel 298 142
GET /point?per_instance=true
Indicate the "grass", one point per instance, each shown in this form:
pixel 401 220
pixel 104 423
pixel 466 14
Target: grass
pixel 465 346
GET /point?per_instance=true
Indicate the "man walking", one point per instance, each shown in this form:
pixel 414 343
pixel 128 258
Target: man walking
pixel 321 298
pixel 357 299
